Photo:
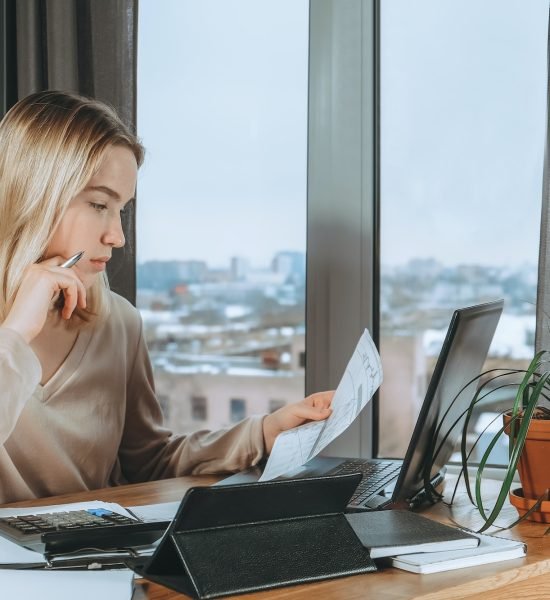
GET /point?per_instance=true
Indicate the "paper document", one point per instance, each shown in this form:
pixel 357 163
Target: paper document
pixel 362 377
pixel 165 511
pixel 67 585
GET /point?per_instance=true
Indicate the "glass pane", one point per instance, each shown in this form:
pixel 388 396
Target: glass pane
pixel 463 90
pixel 222 111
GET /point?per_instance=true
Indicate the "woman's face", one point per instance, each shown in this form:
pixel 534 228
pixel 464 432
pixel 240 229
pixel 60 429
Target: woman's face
pixel 93 220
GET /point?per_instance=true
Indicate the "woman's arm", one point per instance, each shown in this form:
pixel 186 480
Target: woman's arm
pixel 20 373
pixel 150 451
pixel 20 369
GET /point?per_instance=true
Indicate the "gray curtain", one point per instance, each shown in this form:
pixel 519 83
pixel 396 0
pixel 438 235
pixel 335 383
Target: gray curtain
pixel 85 46
pixel 542 337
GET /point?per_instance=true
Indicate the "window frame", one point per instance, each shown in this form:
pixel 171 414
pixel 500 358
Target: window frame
pixel 342 275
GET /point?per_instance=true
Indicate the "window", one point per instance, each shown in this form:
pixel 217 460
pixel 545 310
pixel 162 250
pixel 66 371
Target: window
pixel 221 215
pixel 463 89
pixel 198 408
pixel 237 408
pixel 275 405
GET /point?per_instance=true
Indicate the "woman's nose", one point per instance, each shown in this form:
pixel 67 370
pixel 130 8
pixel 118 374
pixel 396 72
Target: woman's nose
pixel 114 236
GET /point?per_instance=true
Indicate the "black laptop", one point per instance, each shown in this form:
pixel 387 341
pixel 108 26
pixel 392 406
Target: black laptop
pixel 461 359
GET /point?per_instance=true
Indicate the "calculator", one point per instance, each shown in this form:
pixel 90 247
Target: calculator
pixel 93 529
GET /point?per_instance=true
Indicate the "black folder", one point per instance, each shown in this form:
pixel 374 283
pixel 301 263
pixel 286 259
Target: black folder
pixel 242 538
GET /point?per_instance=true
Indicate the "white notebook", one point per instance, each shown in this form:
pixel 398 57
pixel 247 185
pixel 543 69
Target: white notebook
pixel 490 549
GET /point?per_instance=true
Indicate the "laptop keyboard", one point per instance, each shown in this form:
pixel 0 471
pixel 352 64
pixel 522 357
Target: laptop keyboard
pixel 376 475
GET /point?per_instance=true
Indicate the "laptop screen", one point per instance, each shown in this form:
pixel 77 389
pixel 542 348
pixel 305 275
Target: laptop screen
pixel 461 359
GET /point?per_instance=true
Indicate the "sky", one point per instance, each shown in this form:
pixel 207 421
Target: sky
pixel 224 122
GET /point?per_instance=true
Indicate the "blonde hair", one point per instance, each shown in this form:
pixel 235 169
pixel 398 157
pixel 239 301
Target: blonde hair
pixel 51 144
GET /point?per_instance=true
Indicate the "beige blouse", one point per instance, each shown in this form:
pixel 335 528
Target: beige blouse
pixel 97 422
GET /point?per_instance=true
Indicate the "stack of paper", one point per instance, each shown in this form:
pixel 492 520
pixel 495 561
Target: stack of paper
pixel 491 549
pixel 67 585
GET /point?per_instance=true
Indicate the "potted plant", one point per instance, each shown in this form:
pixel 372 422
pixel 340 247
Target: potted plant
pixel 527 424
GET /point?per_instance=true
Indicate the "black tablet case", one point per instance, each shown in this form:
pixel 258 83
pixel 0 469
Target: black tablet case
pixel 235 539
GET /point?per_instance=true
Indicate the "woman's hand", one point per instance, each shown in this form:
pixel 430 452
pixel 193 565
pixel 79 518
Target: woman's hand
pixel 313 408
pixel 41 285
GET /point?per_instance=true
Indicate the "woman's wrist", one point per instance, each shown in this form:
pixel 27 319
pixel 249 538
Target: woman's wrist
pixel 270 432
pixel 21 331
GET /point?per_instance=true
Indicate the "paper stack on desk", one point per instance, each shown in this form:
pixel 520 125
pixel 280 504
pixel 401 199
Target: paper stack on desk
pixel 67 585
pixel 491 549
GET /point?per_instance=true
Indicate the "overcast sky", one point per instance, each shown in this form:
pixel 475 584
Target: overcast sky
pixel 222 111
pixel 225 172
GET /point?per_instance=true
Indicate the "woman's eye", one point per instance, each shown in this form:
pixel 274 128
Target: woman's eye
pixel 98 207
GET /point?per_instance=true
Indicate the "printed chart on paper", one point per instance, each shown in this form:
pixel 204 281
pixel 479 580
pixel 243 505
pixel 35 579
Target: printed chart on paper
pixel 362 377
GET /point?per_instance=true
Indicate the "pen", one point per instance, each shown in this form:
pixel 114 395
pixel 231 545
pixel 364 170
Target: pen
pixel 73 260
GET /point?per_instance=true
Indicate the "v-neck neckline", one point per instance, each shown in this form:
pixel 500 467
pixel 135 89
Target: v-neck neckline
pixel 69 366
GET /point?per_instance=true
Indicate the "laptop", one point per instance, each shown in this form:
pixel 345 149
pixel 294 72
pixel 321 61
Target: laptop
pixel 460 361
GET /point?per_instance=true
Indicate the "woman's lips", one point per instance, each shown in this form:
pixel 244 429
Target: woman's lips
pixel 99 264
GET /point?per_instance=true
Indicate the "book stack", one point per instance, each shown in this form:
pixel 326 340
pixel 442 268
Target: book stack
pixel 409 541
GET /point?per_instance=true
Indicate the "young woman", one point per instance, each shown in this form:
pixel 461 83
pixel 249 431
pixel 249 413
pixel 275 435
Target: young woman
pixel 77 403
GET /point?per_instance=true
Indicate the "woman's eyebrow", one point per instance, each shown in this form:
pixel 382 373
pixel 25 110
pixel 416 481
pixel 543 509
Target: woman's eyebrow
pixel 105 190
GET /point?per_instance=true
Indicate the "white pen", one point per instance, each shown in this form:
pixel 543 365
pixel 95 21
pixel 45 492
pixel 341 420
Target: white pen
pixel 73 260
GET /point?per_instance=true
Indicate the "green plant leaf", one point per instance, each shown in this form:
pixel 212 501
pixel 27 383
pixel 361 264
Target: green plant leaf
pixel 516 443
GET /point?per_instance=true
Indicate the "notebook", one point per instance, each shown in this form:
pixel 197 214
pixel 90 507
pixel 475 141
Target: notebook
pixel 461 359
pixel 396 532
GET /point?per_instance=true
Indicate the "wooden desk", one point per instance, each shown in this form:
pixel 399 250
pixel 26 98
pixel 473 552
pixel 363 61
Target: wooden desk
pixel 526 578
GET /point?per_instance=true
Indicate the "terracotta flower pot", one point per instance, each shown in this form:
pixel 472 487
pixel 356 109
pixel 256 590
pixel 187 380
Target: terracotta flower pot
pixel 534 462
pixel 541 515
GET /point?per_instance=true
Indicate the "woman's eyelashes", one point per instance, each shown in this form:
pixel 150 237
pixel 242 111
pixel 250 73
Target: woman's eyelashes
pixel 98 207
pixel 103 207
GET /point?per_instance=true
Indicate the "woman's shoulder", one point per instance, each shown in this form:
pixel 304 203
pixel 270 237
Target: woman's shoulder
pixel 123 316
pixel 119 332
pixel 123 309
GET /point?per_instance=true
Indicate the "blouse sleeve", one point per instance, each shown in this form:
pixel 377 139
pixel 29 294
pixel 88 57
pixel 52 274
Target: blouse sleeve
pixel 20 373
pixel 150 451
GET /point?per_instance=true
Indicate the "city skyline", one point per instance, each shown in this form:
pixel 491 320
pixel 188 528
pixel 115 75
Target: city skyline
pixel 407 262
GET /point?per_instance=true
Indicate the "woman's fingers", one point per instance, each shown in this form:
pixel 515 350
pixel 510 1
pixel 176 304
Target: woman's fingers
pixel 42 283
pixel 70 294
pixel 313 408
pixel 54 261
pixel 321 399
pixel 313 413
pixel 72 289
